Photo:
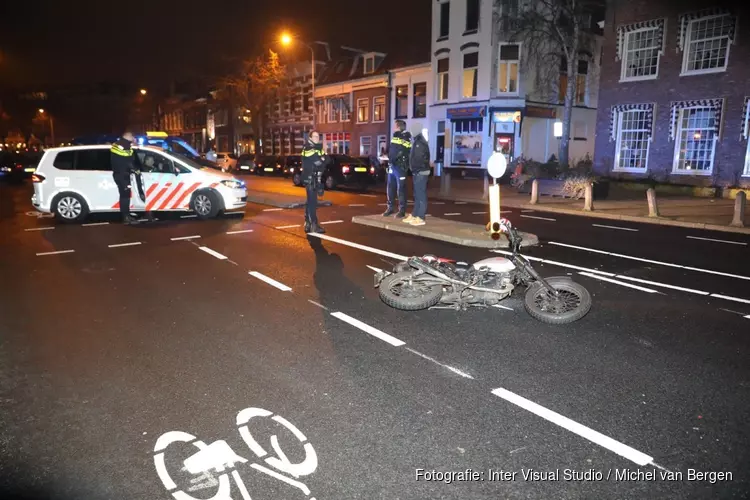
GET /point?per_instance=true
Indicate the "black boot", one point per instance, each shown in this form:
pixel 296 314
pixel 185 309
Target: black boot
pixel 150 217
pixel 129 220
pixel 400 214
pixel 317 228
pixel 308 226
pixel 388 212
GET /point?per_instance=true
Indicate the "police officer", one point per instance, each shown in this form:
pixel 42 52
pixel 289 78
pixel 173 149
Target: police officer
pixel 398 158
pixel 314 161
pixel 123 165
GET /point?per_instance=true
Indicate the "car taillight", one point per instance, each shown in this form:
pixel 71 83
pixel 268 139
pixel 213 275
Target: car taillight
pixel 37 178
pixel 372 170
pixel 345 169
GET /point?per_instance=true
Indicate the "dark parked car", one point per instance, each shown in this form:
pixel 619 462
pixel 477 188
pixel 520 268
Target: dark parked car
pixel 344 171
pixel 381 167
pixel 245 164
pixel 16 167
pixel 269 165
pixel 292 164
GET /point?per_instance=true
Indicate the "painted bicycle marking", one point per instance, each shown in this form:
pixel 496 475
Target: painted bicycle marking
pixel 215 464
pixel 39 215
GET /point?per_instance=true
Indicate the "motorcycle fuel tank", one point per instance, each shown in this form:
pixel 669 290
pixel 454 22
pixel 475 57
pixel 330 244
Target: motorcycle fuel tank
pixel 496 264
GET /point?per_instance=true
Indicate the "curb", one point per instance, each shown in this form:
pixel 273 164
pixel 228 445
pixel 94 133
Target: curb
pixel 427 232
pixel 263 198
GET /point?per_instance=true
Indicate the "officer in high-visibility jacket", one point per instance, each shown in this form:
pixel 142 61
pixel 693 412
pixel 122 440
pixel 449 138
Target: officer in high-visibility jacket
pixel 314 161
pixel 123 165
pixel 398 159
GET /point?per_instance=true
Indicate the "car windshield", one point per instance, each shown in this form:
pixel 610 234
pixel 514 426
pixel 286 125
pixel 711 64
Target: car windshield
pixel 197 163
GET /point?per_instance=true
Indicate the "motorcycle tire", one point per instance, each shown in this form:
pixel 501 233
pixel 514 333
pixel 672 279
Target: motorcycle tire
pixel 414 299
pixel 536 294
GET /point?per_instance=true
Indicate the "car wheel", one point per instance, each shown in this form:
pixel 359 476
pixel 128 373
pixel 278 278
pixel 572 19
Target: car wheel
pixel 205 204
pixel 70 208
pixel 330 183
pixel 297 179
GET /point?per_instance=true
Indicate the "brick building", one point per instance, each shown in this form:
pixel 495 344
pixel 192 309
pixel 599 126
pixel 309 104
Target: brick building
pixel 673 99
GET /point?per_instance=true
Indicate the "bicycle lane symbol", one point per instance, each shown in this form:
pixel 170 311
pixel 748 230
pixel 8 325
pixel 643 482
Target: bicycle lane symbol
pixel 219 457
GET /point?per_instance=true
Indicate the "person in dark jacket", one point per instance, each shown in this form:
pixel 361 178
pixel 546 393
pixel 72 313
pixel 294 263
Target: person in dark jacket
pixel 314 161
pixel 419 163
pixel 398 159
pixel 123 161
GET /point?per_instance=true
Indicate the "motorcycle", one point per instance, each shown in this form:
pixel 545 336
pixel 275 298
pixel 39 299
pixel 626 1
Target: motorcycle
pixel 430 282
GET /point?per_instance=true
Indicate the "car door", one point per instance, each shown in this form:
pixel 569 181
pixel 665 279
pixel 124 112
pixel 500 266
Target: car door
pixel 93 177
pixel 163 185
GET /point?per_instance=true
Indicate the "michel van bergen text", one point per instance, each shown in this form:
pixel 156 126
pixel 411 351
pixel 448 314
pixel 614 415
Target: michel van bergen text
pixel 571 475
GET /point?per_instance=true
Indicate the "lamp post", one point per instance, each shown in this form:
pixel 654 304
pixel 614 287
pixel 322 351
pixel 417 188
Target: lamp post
pixel 286 40
pixel 51 124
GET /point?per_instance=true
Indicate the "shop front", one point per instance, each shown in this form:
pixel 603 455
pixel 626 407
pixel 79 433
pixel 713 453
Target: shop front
pixel 467 130
pixel 506 131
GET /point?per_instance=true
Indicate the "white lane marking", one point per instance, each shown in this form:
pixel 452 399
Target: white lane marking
pixel 270 281
pixel 555 263
pixel 506 211
pixel 95 224
pixel 615 227
pixel 188 216
pixel 273 209
pixel 369 195
pixel 621 283
pixel 650 261
pixel 454 370
pixel 718 241
pixel 452 213
pixel 377 270
pixel 186 237
pixel 461 203
pixel 382 204
pixel 574 427
pixel 356 204
pixel 368 329
pixel 360 247
pixel 332 222
pixel 132 244
pixel 55 253
pixel 747 317
pixel 288 227
pixel 214 253
pixel 317 304
pixel 664 285
pixel 240 231
pixel 39 228
pixel 438 202
pixel 478 213
pixel 540 218
pixel 726 297
pixel 524 211
pixel 503 307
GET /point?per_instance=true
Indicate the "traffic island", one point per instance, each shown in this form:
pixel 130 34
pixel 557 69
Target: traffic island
pixel 460 233
pixel 279 200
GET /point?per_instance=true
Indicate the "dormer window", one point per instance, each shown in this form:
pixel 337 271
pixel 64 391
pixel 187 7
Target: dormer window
pixel 369 64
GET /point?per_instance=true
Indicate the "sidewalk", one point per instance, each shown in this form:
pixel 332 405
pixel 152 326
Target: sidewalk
pixel 702 213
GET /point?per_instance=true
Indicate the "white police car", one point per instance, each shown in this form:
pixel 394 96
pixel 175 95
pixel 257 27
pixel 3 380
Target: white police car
pixel 72 182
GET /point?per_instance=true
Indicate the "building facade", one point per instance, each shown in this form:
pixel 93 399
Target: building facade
pixel 487 95
pixel 675 103
pixel 411 92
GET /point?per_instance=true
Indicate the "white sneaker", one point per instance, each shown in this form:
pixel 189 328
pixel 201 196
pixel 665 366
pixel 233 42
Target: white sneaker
pixel 417 221
pixel 408 219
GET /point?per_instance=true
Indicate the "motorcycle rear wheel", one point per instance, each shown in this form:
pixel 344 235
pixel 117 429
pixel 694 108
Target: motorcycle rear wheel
pixel 573 304
pixel 397 291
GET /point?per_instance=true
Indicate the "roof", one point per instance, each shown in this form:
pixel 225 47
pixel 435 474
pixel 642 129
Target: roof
pixel 349 65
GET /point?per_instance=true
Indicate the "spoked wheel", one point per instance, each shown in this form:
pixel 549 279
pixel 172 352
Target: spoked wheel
pixel 572 303
pixel 401 291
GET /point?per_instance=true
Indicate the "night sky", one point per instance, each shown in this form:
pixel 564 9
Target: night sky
pixel 71 41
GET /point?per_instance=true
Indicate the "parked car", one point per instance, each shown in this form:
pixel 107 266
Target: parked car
pixel 226 161
pixel 17 166
pixel 245 164
pixel 381 168
pixel 292 164
pixel 344 171
pixel 269 165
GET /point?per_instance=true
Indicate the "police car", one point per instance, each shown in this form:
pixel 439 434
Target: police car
pixel 72 182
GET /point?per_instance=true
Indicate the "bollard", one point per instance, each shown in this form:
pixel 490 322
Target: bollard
pixel 588 205
pixel 740 202
pixel 653 208
pixel 534 191
pixel 445 183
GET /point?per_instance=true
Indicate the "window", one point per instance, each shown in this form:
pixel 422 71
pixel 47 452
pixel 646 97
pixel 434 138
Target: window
pixel 440 142
pixel 321 111
pixel 382 145
pixel 402 101
pixel 467 142
pixel 306 100
pixel 337 143
pixel 288 105
pixel 64 160
pixel 707 44
pixel 471 63
pixel 507 77
pixel 369 65
pixel 420 100
pixel 472 16
pixel 156 163
pixel 378 109
pixel 642 50
pixel 696 140
pixel 363 110
pixel 746 135
pixel 345 109
pixel 334 107
pixel 509 13
pixel 445 20
pixel 581 81
pixel 365 146
pixel 442 79
pixel 633 140
pixel 93 159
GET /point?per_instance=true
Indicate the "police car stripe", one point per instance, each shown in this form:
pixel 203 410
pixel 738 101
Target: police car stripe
pixel 185 194
pixel 155 200
pixel 171 196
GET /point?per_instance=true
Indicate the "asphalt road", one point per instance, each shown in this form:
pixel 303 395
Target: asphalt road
pixel 124 355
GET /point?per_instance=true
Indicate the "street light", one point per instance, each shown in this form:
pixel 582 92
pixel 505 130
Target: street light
pixel 144 92
pixel 287 40
pixel 41 111
pixel 51 124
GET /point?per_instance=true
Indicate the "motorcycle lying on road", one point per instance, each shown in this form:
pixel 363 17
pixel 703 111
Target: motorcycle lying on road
pixel 424 282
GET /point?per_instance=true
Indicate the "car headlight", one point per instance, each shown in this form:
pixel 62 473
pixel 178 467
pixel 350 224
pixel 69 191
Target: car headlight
pixel 5 169
pixel 234 184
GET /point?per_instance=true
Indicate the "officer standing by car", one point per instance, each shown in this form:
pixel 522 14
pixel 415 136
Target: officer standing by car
pixel 398 157
pixel 314 161
pixel 123 165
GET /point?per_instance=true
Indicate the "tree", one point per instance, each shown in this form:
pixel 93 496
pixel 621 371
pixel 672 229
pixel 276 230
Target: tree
pixel 554 34
pixel 255 85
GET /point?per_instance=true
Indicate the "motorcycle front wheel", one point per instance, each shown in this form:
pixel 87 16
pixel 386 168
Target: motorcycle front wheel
pixel 400 291
pixel 572 303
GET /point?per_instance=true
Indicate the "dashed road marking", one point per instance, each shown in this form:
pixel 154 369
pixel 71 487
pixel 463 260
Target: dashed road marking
pixel 186 237
pixel 95 224
pixel 193 216
pixel 317 304
pixel 332 222
pixel 574 427
pixel 537 217
pixel 270 281
pixel 621 283
pixel 615 227
pixel 555 263
pixel 454 370
pixel 664 285
pixel 478 213
pixel 733 299
pixel 461 203
pixel 356 204
pixel 451 214
pixel 369 195
pixel 131 244
pixel 288 227
pixel 55 253
pixel 438 202
pixel 503 307
pixel 525 211
pixel 358 246
pixel 214 253
pixel 273 209
pixel 240 231
pixel 40 228
pixel 368 329
pixel 718 241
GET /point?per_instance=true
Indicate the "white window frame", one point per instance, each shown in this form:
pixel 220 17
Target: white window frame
pixel 374 104
pixel 678 142
pixel 688 42
pixel 382 139
pixel 463 75
pixel 746 172
pixel 396 99
pixel 625 52
pixel 439 81
pixel 331 107
pixel 508 62
pixel 746 133
pixel 320 109
pixel 618 144
pixel 371 60
pixel 344 108
pixel 366 102
pixel 361 145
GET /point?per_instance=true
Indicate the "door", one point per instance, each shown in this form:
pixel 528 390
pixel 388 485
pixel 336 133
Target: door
pixel 504 144
pixel 93 177
pixel 166 188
